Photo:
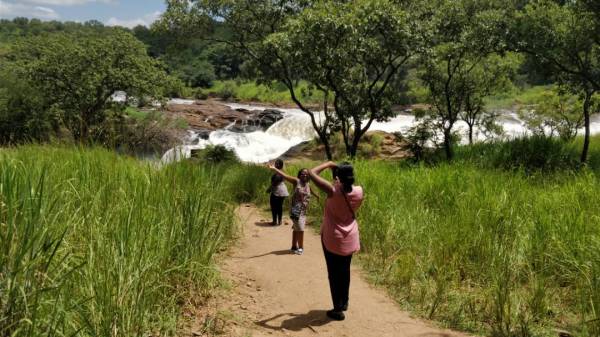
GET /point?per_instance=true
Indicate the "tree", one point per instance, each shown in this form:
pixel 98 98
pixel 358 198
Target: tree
pixel 77 74
pixel 463 35
pixel 489 76
pixel 566 39
pixel 555 112
pixel 354 51
pixel 349 51
pixel 253 27
pixel 24 113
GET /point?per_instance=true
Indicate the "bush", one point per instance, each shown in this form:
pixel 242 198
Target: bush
pixel 218 154
pixel 420 136
pixel 200 94
pixel 24 113
pixel 226 92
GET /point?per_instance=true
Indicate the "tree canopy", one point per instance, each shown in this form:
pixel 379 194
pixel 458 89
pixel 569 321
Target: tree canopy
pixel 77 74
pixel 564 38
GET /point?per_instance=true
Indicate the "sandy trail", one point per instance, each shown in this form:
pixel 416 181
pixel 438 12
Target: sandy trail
pixel 277 293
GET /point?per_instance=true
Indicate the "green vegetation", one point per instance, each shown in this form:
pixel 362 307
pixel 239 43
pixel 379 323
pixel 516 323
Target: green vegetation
pixel 65 81
pixel 250 91
pixel 516 97
pixel 218 154
pixel 498 252
pixel 94 244
pixel 503 241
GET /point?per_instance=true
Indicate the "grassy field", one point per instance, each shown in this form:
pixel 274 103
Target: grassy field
pixel 504 241
pixel 95 244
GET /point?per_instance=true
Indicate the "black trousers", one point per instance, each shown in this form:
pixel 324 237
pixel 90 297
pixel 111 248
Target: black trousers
pixel 338 270
pixel 277 208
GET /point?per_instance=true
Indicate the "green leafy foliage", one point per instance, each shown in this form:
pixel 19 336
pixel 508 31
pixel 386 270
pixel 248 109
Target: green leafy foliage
pixel 362 46
pixel 23 114
pixel 218 154
pixel 564 38
pixel 77 74
pixel 555 112
pixel 458 65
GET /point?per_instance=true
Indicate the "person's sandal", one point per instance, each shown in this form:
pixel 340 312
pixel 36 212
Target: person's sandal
pixel 299 251
pixel 336 315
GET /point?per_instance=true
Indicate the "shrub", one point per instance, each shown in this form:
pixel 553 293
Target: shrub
pixel 218 154
pixel 226 92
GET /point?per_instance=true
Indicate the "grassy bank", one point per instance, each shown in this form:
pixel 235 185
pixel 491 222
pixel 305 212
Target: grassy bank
pixel 505 241
pixel 517 97
pixel 94 244
pixel 252 92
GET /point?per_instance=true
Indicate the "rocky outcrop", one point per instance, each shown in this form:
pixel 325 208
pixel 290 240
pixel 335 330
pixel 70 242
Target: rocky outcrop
pixel 210 115
pixel 390 148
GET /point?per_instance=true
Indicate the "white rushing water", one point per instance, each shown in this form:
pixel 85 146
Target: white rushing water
pixel 257 146
pixel 295 128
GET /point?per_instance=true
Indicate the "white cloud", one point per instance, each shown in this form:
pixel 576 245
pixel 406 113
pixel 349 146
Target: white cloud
pixel 65 2
pixel 146 20
pixel 10 10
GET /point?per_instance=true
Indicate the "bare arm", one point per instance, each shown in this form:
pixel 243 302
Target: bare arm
pixel 315 194
pixel 289 178
pixel 321 183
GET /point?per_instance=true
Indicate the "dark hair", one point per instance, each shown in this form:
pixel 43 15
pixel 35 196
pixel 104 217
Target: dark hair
pixel 300 172
pixel 279 163
pixel 345 173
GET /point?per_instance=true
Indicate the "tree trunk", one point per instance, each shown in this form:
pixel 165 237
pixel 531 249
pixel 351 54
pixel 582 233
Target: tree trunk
pixel 470 134
pixel 325 141
pixel 448 143
pixel 586 116
pixel 354 147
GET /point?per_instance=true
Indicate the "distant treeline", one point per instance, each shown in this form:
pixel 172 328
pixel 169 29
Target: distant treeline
pixel 196 60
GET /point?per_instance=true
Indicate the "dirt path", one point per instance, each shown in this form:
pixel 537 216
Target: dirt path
pixel 277 293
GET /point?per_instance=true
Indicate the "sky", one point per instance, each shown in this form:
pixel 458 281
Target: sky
pixel 127 13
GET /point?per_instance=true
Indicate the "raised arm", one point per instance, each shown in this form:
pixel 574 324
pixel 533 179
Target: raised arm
pixel 321 183
pixel 289 178
pixel 315 195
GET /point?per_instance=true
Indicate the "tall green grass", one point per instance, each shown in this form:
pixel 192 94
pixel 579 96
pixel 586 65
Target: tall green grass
pixel 250 91
pixel 94 244
pixel 503 241
pixel 509 253
pixel 100 245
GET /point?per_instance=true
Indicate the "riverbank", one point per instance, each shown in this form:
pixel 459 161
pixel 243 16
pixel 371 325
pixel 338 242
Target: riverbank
pixel 247 128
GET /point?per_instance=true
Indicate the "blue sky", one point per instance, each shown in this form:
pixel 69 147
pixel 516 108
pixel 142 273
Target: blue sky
pixel 126 13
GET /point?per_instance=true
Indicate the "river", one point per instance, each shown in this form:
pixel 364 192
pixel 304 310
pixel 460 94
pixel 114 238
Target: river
pixel 295 128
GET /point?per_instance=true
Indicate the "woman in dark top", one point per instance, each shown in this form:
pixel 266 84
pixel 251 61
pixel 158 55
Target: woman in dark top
pixel 278 192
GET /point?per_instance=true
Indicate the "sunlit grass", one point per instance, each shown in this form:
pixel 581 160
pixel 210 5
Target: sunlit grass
pixel 250 91
pixel 503 250
pixel 516 97
pixel 95 244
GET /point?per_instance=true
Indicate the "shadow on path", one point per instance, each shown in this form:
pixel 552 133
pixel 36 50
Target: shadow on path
pixel 264 224
pixel 275 252
pixel 297 322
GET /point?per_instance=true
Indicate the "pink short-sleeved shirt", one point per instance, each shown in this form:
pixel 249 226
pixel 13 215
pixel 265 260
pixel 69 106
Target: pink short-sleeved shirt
pixel 339 230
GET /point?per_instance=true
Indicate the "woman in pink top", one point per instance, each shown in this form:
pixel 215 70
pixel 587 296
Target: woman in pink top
pixel 339 230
